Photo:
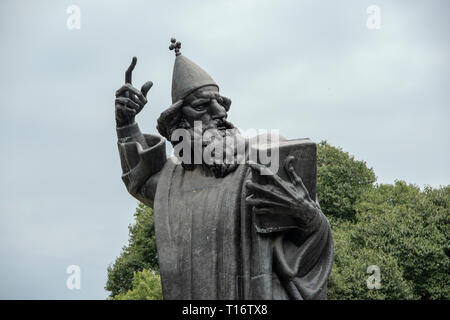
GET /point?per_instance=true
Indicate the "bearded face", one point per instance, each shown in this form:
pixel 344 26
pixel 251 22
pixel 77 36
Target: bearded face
pixel 213 141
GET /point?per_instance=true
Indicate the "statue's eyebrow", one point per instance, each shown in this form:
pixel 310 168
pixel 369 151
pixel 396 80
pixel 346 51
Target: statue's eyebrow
pixel 204 98
pixel 200 101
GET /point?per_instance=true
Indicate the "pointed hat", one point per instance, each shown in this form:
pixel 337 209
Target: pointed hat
pixel 187 75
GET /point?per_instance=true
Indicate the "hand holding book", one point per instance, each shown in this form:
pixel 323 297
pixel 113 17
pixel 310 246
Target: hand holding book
pixel 270 194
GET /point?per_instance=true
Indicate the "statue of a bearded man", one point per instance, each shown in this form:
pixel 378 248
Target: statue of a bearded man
pixel 224 229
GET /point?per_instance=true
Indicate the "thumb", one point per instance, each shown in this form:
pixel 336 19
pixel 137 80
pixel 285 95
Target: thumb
pixel 146 87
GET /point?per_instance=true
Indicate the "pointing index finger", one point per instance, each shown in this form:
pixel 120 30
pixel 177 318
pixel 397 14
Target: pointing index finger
pixel 130 70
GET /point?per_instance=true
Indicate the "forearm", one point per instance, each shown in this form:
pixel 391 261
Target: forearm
pixel 131 133
pixel 142 157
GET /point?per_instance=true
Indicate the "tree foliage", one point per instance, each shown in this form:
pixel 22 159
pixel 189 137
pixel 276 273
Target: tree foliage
pixel 411 226
pixel 146 285
pixel 139 254
pixel 348 279
pixel 340 181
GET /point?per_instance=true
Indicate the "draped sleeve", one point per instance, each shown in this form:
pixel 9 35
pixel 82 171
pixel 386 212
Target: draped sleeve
pixel 303 258
pixel 142 157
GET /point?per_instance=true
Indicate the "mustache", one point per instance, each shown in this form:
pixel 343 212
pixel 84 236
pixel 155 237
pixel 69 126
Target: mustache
pixel 216 129
pixel 219 124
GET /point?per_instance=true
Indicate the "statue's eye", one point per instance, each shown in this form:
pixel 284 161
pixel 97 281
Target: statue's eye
pixel 199 107
pixel 199 104
pixel 220 100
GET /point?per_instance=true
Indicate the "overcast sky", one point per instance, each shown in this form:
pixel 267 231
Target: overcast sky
pixel 308 68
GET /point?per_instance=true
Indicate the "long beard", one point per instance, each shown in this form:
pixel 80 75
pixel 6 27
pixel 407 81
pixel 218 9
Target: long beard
pixel 219 145
pixel 223 157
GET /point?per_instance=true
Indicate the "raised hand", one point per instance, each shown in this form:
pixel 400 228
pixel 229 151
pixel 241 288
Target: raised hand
pixel 271 194
pixel 129 100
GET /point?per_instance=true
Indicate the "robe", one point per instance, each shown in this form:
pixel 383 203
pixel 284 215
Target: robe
pixel 210 244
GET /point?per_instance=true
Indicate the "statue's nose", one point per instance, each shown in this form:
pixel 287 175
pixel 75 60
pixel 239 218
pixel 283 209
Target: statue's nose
pixel 216 110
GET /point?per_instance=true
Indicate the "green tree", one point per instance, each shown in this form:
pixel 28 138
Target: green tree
pixel 139 254
pixel 348 279
pixel 146 285
pixel 402 230
pixel 412 226
pixel 340 181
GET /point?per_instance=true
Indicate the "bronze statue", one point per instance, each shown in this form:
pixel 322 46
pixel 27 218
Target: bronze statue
pixel 224 229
